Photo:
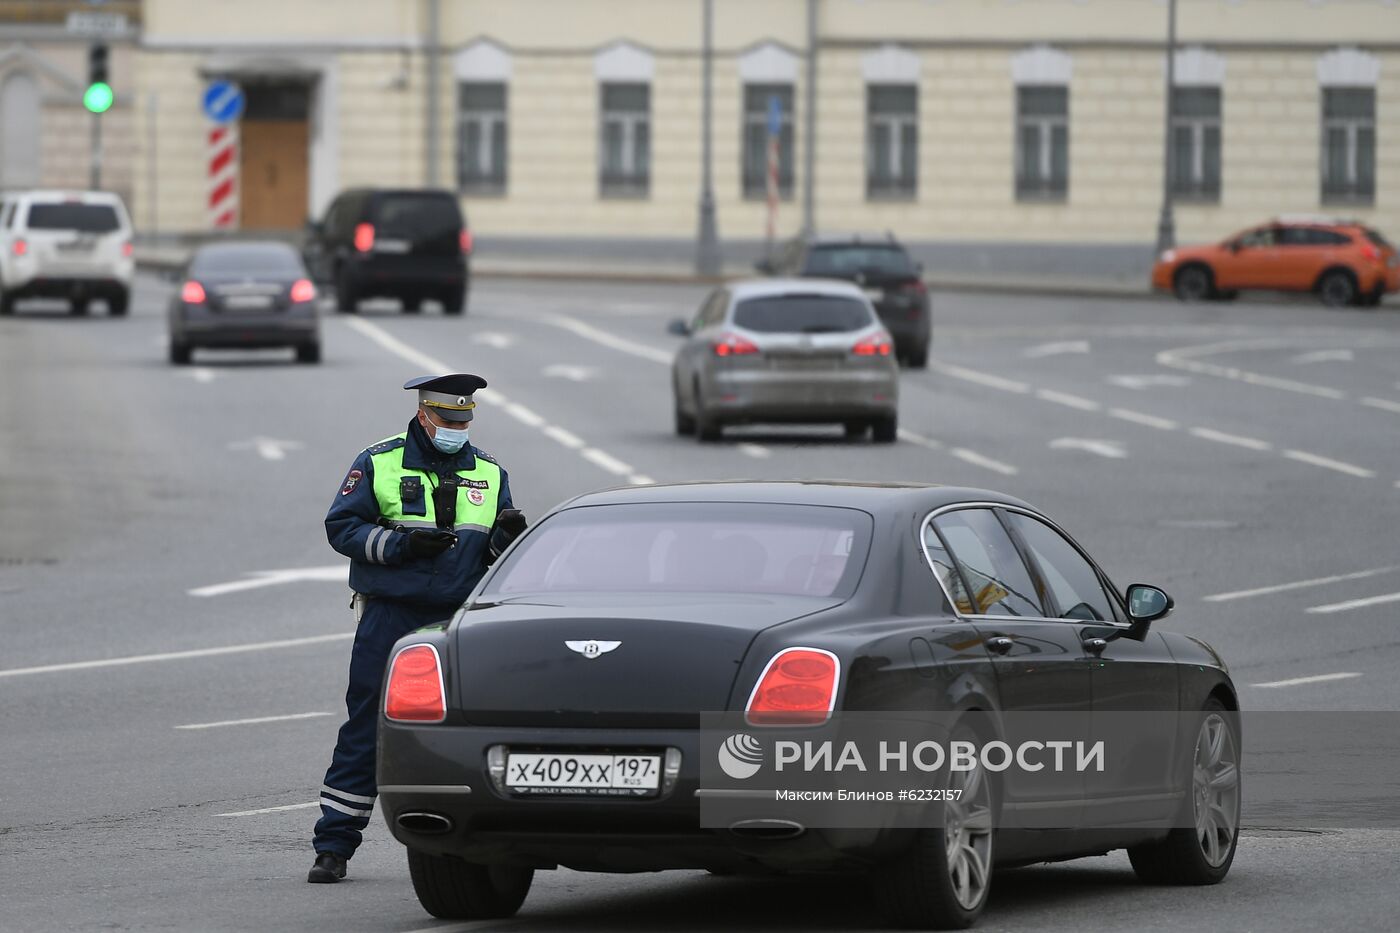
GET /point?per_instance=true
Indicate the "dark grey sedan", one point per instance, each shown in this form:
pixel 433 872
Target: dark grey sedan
pixel 558 719
pixel 246 295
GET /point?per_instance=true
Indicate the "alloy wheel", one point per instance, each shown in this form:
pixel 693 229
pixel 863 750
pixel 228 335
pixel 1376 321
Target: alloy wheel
pixel 967 829
pixel 1216 789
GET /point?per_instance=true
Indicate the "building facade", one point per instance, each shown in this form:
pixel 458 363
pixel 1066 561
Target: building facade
pixel 968 121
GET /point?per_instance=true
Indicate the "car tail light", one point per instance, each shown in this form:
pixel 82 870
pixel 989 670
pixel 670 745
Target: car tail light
pixel 364 237
pixel 465 239
pixel 415 693
pixel 303 290
pixel 127 249
pixel 1370 252
pixel 19 247
pixel 916 287
pixel 734 345
pixel 192 293
pixel 879 345
pixel 798 687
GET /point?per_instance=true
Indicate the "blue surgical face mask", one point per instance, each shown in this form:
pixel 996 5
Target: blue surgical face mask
pixel 449 440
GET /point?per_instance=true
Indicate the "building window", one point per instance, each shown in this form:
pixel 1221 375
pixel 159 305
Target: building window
pixel 892 141
pixel 625 146
pixel 1349 144
pixel 1196 143
pixel 757 99
pixel 481 137
pixel 1042 142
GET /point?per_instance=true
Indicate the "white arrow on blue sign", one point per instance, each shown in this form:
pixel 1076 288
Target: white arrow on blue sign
pixel 223 101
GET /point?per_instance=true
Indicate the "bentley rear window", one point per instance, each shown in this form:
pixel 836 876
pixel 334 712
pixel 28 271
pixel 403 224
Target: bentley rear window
pixel 726 548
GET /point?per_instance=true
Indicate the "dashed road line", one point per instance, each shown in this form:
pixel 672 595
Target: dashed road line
pixel 757 451
pixel 1251 443
pixel 290 806
pixel 1315 679
pixel 1137 417
pixel 252 722
pixel 1363 603
pixel 976 459
pixel 972 375
pixel 607 461
pixel 1300 584
pixel 175 655
pixel 1327 463
pixel 568 438
pixel 1384 404
pixel 1064 398
pixel 524 415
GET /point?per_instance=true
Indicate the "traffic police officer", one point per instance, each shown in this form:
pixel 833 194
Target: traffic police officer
pixel 420 515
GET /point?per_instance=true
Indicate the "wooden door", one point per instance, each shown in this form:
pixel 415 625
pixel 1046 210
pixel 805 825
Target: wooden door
pixel 273 182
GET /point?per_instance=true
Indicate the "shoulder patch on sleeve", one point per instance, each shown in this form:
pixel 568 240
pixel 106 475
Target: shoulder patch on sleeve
pixel 352 479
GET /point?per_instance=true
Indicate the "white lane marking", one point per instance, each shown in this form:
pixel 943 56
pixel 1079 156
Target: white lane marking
pixel 252 722
pixel 1300 584
pixel 1355 604
pixel 1324 356
pixel 920 440
pixel 201 374
pixel 757 451
pixel 524 415
pixel 396 346
pixel 1327 463
pixel 1111 449
pixel 606 461
pixel 176 655
pixel 339 573
pixel 1183 358
pixel 267 447
pixel 567 438
pixel 493 339
pixel 1064 398
pixel 1232 439
pixel 1384 404
pixel 1145 382
pixel 971 375
pixel 1137 417
pixel 976 459
pixel 638 479
pixel 1316 679
pixel 608 340
pixel 290 806
pixel 571 373
pixel 1054 349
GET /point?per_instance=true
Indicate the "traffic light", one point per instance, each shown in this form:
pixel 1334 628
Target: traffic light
pixel 98 96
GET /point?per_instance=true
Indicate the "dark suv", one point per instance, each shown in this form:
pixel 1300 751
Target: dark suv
pixel 880 266
pixel 410 244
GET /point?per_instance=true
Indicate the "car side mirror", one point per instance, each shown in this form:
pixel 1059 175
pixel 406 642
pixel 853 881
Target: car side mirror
pixel 679 327
pixel 1147 604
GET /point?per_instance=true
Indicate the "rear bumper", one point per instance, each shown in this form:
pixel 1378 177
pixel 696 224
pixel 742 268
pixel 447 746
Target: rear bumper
pixel 69 287
pixel 440 770
pixel 395 274
pixel 763 395
pixel 246 331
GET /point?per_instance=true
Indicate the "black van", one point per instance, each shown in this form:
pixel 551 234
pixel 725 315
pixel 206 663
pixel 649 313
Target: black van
pixel 409 244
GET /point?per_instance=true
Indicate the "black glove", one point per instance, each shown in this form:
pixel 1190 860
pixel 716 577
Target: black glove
pixel 511 522
pixel 425 543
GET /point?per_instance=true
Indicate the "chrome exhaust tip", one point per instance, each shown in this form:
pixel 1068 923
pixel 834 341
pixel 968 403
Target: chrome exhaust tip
pixel 767 829
pixel 427 824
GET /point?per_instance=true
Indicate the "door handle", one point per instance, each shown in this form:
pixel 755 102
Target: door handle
pixel 999 645
pixel 1095 645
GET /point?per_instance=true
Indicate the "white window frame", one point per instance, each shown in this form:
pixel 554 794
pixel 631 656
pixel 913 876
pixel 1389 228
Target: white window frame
pixel 1352 126
pixel 1197 186
pixel 634 178
pixel 1042 188
pixel 903 180
pixel 490 123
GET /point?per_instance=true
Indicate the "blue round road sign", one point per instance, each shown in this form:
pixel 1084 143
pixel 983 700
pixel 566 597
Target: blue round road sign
pixel 223 101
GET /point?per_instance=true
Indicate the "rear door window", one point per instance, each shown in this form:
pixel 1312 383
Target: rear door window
pixel 869 260
pixel 802 314
pixel 1000 583
pixel 85 218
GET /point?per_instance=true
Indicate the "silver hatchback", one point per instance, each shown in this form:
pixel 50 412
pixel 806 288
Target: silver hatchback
pixel 786 350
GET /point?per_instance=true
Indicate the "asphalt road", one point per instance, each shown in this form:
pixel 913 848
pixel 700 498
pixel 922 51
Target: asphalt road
pixel 163 566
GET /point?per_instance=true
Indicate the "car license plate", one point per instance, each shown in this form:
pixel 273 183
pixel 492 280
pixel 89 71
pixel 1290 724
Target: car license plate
pixel 875 294
pixel 806 362
pixel 248 302
pixel 599 775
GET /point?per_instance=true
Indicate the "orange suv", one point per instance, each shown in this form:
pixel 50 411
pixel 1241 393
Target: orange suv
pixel 1344 262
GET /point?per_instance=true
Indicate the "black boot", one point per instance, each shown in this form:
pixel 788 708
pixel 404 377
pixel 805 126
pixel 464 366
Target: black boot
pixel 329 869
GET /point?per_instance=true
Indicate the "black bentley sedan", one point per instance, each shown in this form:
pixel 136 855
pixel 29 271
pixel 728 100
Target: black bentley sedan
pixel 555 720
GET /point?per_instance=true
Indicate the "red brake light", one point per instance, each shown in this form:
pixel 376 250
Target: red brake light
pixel 917 287
pixel 192 293
pixel 303 290
pixel 878 345
pixel 734 345
pixel 1370 252
pixel 798 687
pixel 414 693
pixel 364 237
pixel 127 249
pixel 19 247
pixel 465 238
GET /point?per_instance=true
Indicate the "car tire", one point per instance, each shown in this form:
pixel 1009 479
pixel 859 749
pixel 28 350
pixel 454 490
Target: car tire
pixel 79 307
pixel 1200 853
pixel 7 303
pixel 856 430
pixel 1337 289
pixel 309 352
pixel 707 426
pixel 412 304
pixel 685 424
pixel 917 359
pixel 885 430
pixel 118 302
pixel 454 302
pixel 180 352
pixel 919 888
pixel 1193 283
pixel 452 889
pixel 347 300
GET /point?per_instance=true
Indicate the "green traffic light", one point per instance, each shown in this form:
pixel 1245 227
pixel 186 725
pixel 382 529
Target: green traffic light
pixel 98 97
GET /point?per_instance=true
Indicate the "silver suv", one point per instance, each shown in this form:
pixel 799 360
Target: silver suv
pixel 65 244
